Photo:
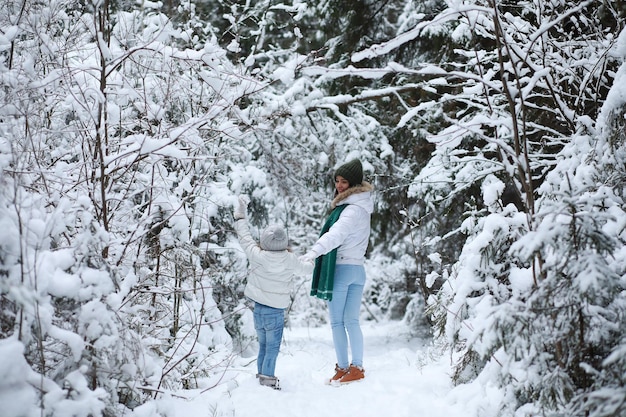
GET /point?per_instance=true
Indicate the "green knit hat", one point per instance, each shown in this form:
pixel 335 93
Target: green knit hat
pixel 351 171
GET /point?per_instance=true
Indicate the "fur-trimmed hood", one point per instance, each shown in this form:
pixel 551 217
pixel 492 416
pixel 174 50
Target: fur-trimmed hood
pixel 341 198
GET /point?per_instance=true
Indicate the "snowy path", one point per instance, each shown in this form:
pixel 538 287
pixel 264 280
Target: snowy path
pixel 401 380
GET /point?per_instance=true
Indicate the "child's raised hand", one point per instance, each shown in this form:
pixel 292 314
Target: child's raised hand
pixel 244 200
pixel 240 211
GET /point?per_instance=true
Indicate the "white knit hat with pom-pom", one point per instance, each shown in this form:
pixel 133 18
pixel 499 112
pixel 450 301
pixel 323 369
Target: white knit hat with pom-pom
pixel 274 238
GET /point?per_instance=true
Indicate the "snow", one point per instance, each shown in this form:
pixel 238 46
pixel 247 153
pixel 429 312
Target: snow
pixel 15 394
pixel 492 189
pixel 83 316
pixel 405 376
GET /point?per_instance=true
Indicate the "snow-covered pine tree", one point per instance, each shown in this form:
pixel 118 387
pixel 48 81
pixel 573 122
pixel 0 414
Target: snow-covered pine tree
pixel 118 153
pixel 534 298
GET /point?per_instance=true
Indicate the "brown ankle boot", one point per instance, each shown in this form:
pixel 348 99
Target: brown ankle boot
pixel 339 373
pixel 355 373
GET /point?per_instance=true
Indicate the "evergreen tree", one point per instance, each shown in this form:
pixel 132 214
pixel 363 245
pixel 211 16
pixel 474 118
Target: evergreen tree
pixel 115 145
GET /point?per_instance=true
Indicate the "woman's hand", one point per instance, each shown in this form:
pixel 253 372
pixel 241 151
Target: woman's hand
pixel 308 257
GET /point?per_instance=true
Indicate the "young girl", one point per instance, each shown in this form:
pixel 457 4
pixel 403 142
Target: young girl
pixel 271 271
pixel 339 275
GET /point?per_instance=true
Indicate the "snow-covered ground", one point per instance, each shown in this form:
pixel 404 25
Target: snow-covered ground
pixel 405 376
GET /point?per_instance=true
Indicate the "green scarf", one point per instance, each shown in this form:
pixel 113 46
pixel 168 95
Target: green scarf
pixel 324 271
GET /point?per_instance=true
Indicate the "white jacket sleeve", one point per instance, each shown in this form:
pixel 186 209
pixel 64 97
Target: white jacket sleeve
pixel 249 245
pixel 338 232
pixel 299 267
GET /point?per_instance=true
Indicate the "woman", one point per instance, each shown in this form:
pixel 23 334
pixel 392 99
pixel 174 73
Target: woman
pixel 339 275
pixel 272 270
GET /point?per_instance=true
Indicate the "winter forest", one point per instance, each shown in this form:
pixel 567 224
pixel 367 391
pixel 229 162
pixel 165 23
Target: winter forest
pixel 493 131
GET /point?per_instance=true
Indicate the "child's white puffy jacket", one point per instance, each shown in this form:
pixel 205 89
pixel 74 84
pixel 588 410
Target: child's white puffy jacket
pixel 271 273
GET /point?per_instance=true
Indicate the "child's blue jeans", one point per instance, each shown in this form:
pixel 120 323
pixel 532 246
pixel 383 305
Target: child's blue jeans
pixel 269 323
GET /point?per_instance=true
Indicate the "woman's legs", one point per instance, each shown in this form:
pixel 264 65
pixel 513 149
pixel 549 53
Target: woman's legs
pixel 269 323
pixel 344 311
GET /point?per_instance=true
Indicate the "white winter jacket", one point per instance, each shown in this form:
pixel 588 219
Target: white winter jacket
pixel 271 272
pixel 350 233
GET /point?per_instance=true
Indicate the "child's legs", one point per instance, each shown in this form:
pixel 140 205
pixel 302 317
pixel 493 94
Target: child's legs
pixel 271 322
pixel 260 333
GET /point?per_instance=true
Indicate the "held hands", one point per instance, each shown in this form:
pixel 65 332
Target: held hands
pixel 308 257
pixel 240 211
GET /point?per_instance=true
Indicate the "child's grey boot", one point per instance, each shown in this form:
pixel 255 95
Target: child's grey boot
pixel 269 381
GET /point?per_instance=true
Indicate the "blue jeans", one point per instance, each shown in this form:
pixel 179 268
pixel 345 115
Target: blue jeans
pixel 269 323
pixel 344 311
